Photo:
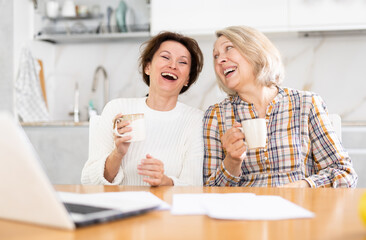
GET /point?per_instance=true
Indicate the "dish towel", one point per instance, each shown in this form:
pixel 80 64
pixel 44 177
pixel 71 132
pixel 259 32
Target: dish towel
pixel 29 101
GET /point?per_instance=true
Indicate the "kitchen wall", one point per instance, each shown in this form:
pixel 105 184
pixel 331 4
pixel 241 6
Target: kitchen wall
pixel 330 66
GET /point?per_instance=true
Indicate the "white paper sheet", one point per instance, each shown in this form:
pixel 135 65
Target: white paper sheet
pixel 196 204
pixel 238 206
pixel 117 200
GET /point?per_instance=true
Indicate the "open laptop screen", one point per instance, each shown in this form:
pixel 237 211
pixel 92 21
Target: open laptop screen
pixel 30 196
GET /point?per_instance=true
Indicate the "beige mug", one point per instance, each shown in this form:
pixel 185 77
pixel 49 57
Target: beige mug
pixel 137 123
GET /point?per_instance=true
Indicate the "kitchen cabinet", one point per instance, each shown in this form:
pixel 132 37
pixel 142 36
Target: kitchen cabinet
pixel 207 16
pixel 62 150
pixel 327 14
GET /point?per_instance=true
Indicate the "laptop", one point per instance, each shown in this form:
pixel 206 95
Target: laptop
pixel 28 195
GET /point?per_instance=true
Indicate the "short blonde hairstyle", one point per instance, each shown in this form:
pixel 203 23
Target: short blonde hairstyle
pixel 257 50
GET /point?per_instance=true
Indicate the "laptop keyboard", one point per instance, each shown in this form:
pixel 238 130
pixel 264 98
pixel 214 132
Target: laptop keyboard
pixel 82 209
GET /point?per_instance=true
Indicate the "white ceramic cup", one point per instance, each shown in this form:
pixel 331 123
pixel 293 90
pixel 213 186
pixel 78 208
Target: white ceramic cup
pixel 52 9
pixel 68 9
pixel 137 123
pixel 255 131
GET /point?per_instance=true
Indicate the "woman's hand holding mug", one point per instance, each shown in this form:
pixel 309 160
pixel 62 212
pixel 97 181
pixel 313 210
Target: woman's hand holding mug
pixel 121 141
pixel 235 147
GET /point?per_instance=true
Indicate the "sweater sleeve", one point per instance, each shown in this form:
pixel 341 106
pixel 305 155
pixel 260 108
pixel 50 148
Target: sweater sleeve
pixel 334 166
pixel 191 173
pixel 102 144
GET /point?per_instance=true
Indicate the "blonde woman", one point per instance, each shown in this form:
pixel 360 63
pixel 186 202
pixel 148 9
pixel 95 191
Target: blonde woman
pixel 302 149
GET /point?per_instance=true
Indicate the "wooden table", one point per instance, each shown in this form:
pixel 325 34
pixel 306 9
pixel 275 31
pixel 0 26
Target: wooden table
pixel 336 210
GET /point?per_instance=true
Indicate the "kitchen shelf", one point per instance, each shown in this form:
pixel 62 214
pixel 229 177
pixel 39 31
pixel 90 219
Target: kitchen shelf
pixel 76 18
pixel 92 37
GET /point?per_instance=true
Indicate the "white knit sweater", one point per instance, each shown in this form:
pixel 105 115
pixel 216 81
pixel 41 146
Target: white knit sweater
pixel 174 137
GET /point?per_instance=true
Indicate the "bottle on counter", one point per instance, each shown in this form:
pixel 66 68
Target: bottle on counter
pixel 91 110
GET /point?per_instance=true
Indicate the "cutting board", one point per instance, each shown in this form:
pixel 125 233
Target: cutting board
pixel 42 82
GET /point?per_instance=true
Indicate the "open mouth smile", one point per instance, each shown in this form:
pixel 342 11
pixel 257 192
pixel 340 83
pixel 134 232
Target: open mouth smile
pixel 228 72
pixel 169 76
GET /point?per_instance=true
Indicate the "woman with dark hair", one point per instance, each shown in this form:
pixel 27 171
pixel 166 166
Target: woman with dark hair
pixel 172 152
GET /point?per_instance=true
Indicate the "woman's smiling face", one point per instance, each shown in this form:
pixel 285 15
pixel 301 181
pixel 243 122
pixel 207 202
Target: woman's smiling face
pixel 169 69
pixel 232 68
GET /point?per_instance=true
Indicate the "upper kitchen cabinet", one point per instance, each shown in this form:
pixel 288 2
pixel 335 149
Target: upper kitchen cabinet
pixel 323 15
pixel 207 16
pixel 72 21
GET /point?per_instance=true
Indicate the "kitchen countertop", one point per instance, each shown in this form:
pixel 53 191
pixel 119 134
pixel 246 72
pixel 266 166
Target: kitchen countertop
pixel 55 124
pixel 353 124
pixel 86 123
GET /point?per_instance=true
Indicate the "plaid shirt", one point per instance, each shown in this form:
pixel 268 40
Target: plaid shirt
pixel 301 144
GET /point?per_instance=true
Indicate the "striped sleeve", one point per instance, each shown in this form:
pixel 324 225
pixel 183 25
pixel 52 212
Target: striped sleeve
pixel 214 172
pixel 334 166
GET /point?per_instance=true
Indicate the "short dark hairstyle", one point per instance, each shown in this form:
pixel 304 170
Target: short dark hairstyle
pixel 152 45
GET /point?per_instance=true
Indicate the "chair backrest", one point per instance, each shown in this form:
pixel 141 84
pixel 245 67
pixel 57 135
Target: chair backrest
pixel 337 124
pixel 93 126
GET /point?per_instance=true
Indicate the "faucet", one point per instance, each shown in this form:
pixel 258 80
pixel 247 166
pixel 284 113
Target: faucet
pixel 106 84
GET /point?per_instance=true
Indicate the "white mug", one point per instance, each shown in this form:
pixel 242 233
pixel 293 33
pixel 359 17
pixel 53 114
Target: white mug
pixel 68 9
pixel 255 131
pixel 137 123
pixel 52 9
